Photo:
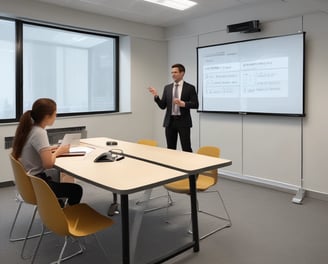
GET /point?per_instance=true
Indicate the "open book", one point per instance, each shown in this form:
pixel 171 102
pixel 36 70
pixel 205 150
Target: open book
pixel 76 151
pixel 74 141
pixel 71 139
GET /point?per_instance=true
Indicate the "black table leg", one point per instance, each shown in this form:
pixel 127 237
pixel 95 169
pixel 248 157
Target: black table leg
pixel 125 228
pixel 194 218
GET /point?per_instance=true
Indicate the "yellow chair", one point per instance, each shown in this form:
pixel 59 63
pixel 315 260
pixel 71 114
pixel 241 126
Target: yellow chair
pixel 74 221
pixel 25 195
pixel 149 142
pixel 152 142
pixel 113 209
pixel 203 183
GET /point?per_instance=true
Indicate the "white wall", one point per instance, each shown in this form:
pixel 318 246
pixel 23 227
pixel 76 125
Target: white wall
pixel 265 149
pixel 243 139
pixel 316 123
pixel 143 62
pixel 29 9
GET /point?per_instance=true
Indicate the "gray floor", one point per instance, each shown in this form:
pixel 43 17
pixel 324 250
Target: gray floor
pixel 267 228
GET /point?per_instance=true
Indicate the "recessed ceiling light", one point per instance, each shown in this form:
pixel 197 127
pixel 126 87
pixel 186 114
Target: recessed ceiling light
pixel 176 4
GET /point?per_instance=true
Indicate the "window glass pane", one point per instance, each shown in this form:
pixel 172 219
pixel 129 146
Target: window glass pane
pixel 7 70
pixel 75 69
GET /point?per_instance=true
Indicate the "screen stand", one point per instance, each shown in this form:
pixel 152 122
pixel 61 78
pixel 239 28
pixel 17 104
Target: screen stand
pixel 298 198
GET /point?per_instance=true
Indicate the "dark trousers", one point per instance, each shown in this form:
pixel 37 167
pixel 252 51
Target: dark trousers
pixel 172 132
pixel 72 191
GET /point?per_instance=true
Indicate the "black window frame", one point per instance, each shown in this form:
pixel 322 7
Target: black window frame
pixel 19 67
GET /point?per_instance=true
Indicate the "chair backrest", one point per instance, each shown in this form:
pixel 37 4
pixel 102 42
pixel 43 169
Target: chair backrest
pixel 22 182
pixel 213 152
pixel 49 209
pixel 149 142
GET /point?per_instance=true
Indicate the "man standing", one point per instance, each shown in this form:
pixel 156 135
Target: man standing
pixel 178 98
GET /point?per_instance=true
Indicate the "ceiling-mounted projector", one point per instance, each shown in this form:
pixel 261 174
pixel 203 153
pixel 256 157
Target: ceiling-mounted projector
pixel 245 27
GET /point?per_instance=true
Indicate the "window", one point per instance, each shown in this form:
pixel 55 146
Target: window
pixel 7 70
pixel 77 69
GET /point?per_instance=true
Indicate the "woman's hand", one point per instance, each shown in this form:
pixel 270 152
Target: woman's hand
pixel 54 148
pixel 62 149
pixel 48 155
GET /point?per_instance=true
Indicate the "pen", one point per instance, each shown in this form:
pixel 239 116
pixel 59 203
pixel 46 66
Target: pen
pixel 120 158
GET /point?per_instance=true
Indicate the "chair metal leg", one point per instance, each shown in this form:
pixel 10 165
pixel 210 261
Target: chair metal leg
pixel 169 199
pixel 225 218
pixel 61 258
pixel 78 252
pixel 38 244
pixel 101 247
pixel 11 239
pixel 27 236
pixel 169 202
pixel 61 252
pixel 28 233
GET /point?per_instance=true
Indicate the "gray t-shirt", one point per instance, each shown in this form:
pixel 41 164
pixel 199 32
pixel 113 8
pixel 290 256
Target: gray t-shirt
pixel 30 158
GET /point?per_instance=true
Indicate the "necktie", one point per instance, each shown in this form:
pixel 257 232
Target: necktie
pixel 176 95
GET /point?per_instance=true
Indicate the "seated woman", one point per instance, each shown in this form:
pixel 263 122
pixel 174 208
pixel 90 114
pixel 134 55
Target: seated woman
pixel 31 147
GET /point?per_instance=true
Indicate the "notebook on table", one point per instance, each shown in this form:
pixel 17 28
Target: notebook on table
pixel 72 140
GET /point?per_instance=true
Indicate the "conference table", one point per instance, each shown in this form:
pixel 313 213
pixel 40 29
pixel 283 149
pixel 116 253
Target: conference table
pixel 143 168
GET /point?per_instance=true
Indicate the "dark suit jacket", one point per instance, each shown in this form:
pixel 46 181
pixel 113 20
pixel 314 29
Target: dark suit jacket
pixel 188 95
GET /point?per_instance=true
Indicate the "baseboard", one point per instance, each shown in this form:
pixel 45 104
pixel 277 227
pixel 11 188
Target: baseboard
pixel 6 184
pixel 317 195
pixel 279 186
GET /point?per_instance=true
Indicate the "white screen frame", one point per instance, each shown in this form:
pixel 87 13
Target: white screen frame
pixel 272 67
